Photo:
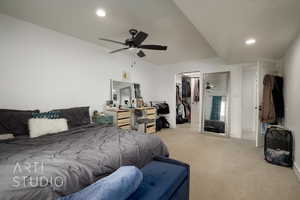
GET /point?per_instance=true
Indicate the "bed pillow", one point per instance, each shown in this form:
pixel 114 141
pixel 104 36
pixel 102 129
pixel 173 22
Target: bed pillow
pixel 15 121
pixel 76 116
pixel 43 126
pixel 47 115
pixel 6 136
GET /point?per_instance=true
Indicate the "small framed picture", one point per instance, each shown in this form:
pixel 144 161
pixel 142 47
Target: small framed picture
pixel 125 75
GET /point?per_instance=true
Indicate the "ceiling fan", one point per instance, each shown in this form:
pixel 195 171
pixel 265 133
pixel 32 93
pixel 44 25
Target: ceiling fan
pixel 135 42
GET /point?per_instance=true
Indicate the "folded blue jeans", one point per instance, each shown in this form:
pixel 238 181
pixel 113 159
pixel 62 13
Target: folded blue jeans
pixel 117 186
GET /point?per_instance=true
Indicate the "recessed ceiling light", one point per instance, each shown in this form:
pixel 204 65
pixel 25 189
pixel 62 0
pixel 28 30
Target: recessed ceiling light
pixel 250 41
pixel 101 13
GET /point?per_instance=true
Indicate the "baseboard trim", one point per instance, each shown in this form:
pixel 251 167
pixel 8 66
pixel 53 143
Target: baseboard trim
pixel 297 171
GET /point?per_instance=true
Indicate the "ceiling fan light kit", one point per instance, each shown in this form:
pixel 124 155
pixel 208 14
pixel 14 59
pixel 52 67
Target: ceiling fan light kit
pixel 135 42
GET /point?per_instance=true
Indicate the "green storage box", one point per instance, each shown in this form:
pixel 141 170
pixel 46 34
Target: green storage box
pixel 103 120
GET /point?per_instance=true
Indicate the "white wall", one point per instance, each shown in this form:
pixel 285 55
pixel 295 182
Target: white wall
pixel 291 70
pixel 168 90
pixel 41 68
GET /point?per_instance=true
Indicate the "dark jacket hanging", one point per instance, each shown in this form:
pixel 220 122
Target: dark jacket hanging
pixel 186 88
pixel 278 98
pixel 273 100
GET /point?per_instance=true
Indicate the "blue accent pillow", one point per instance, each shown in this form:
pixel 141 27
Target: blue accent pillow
pixel 47 115
pixel 117 186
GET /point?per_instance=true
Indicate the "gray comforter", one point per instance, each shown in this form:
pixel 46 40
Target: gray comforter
pixel 56 165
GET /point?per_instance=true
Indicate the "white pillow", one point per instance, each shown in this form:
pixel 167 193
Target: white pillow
pixel 39 127
pixel 6 136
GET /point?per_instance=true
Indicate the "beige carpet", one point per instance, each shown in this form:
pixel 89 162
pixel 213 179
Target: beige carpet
pixel 229 169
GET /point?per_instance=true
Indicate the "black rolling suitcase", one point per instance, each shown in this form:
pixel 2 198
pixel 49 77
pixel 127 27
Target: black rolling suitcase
pixel 279 146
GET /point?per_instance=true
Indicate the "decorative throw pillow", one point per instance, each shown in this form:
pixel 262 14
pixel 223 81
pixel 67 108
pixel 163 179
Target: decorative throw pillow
pixel 47 115
pixel 76 116
pixel 39 127
pixel 15 121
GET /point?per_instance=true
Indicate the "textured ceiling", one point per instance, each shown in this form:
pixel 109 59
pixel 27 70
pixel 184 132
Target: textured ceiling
pixel 226 24
pixel 162 19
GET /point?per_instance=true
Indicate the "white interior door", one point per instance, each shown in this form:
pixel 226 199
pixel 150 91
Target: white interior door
pixel 249 103
pixel 263 68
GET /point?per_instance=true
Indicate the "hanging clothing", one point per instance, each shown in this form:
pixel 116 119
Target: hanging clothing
pixel 186 88
pixel 187 110
pixel 196 90
pixel 178 97
pixel 273 100
pixel 278 98
pixel 268 114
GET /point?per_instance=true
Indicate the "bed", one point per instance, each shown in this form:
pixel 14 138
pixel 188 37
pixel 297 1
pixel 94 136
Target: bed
pixel 214 126
pixel 71 160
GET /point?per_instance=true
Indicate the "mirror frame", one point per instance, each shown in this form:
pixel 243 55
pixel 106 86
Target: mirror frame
pixel 132 92
pixel 227 106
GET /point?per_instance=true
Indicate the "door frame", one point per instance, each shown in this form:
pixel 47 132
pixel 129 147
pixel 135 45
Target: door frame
pixel 200 76
pixel 275 70
pixel 252 68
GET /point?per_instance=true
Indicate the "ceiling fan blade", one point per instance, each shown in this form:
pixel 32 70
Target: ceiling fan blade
pixel 108 40
pixel 139 38
pixel 123 49
pixel 141 54
pixel 154 47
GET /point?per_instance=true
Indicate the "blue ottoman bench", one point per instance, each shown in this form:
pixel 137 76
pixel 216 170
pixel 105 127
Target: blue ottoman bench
pixel 164 179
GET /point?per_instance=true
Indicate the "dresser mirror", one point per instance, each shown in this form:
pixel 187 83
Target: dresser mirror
pixel 124 93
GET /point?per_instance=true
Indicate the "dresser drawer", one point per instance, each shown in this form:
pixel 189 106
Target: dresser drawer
pixel 151 124
pixel 151 129
pixel 122 115
pixel 126 127
pixel 150 111
pixel 151 116
pixel 122 122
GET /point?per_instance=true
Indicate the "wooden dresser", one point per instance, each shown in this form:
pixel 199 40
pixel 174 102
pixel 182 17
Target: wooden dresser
pixel 121 117
pixel 151 115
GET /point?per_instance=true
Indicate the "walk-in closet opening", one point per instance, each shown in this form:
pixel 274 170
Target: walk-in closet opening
pixel 188 97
